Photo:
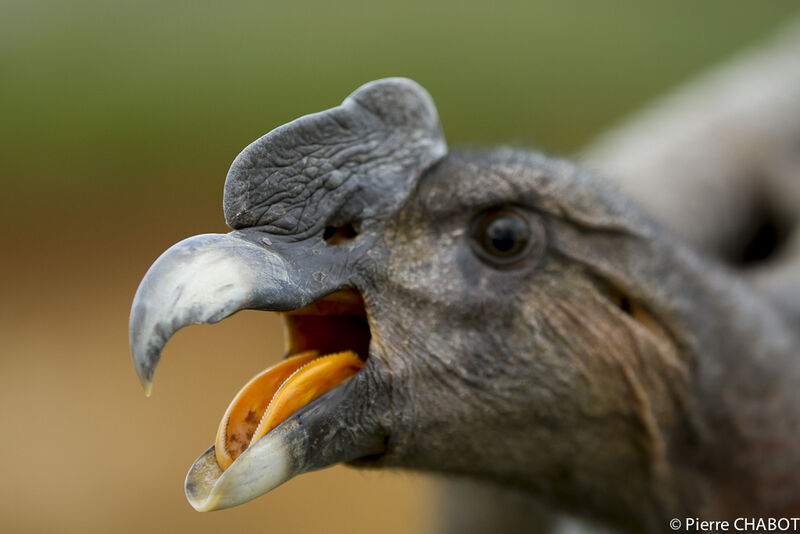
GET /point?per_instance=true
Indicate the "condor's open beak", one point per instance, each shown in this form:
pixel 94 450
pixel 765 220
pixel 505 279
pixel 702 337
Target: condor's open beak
pixel 308 201
pixel 208 277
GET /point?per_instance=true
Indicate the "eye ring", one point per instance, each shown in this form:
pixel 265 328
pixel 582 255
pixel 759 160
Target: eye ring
pixel 504 236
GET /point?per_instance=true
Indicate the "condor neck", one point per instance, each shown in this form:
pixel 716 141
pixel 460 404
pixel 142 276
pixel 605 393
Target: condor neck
pixel 735 450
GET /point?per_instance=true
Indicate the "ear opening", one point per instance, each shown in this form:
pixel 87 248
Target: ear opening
pixel 630 306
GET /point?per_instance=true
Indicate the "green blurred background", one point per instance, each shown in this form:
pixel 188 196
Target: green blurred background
pixel 118 121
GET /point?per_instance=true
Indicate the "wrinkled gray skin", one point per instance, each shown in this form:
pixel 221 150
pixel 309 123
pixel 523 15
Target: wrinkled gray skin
pixel 533 377
pixel 544 384
pixel 709 161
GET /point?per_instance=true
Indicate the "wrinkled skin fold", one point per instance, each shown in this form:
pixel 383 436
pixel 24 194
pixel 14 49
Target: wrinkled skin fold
pixel 355 163
pixel 579 371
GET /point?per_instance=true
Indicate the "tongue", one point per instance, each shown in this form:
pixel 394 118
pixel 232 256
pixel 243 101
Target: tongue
pixel 275 394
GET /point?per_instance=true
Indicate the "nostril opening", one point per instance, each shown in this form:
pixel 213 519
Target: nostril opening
pixel 339 235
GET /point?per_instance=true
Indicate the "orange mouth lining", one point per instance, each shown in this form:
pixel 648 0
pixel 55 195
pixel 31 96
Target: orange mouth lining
pixel 334 326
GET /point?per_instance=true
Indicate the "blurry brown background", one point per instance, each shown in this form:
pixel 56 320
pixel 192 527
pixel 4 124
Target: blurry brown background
pixel 117 125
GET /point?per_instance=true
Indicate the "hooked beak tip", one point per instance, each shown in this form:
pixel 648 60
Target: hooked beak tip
pixel 202 280
pixel 145 375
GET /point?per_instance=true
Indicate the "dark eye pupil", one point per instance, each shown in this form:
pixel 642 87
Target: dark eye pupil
pixel 505 235
pixel 502 237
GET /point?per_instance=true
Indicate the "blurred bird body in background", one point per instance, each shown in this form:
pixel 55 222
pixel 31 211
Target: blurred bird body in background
pixel 120 124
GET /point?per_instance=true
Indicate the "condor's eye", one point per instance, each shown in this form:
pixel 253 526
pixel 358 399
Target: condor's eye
pixel 505 236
